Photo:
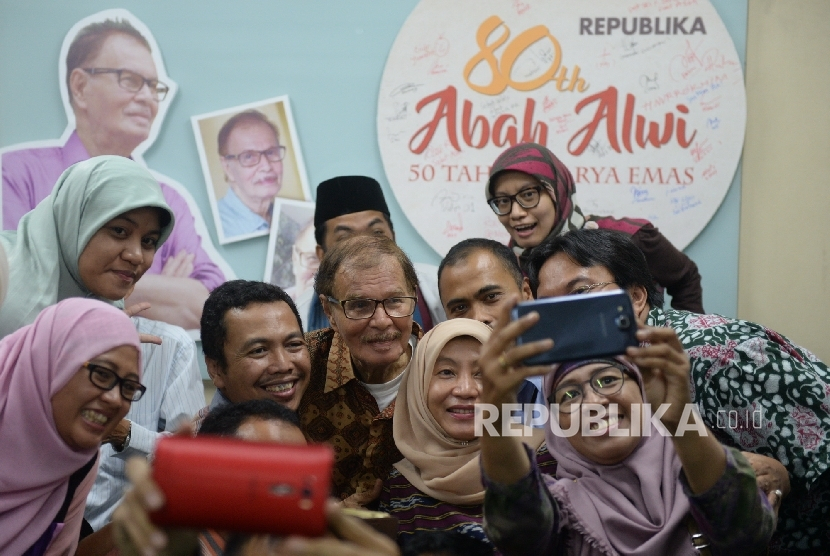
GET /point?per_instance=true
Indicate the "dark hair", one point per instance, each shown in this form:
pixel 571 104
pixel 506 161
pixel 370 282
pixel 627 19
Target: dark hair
pixel 607 248
pixel 89 40
pixel 460 251
pixel 225 420
pixel 247 117
pixel 445 543
pixel 235 294
pixel 361 253
pixel 320 231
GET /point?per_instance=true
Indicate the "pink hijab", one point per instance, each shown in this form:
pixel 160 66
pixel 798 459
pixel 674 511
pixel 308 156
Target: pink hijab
pixel 36 362
pixel 636 507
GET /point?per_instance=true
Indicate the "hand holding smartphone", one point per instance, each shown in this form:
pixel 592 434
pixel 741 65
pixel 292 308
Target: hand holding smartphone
pixel 582 326
pixel 236 485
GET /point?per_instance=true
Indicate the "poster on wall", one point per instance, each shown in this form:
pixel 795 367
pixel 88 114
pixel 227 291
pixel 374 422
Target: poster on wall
pixel 116 92
pixel 292 256
pixel 250 156
pixel 644 102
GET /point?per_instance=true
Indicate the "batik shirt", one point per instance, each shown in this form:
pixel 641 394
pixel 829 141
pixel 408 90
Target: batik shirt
pixel 760 392
pixel 338 410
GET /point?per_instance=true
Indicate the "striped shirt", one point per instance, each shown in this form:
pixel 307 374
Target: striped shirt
pixel 174 393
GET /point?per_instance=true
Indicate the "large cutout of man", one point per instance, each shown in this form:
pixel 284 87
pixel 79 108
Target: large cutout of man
pixel 115 95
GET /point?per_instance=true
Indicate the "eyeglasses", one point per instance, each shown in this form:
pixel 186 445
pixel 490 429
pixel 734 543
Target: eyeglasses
pixel 106 379
pixel 252 158
pixel 590 287
pixel 527 198
pixel 358 309
pixel 133 82
pixel 606 381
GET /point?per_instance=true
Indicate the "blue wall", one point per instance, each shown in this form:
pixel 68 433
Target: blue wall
pixel 326 55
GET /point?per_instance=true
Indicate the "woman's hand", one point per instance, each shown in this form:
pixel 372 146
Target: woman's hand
pixel 500 359
pixel 665 369
pixel 772 477
pixel 132 311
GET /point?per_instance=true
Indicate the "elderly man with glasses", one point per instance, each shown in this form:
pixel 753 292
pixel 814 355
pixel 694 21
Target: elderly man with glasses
pixel 251 155
pixel 367 287
pixel 115 95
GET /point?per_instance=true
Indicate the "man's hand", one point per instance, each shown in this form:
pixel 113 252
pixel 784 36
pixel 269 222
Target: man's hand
pixel 363 498
pixel 348 536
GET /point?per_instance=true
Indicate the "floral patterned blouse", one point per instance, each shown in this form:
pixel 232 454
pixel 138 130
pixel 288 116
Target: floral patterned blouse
pixel 761 393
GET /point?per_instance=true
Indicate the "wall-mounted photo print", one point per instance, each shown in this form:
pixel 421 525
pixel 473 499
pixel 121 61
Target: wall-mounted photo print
pixel 292 257
pixel 116 93
pixel 250 158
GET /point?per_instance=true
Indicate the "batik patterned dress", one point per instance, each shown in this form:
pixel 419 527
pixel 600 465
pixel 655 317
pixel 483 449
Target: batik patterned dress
pixel 761 393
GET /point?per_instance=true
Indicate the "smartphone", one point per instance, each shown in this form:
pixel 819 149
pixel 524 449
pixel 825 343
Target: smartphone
pixel 236 485
pixel 582 326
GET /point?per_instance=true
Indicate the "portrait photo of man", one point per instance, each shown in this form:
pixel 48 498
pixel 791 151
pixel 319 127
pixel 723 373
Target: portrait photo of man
pixel 249 159
pixel 116 92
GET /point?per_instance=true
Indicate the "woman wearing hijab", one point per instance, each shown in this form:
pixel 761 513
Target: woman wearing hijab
pixel 66 380
pixel 622 486
pixel 94 236
pixel 437 486
pixel 531 191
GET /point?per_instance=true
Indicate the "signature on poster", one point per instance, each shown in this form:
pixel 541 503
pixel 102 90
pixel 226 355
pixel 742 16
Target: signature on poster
pixel 452 201
pixel 640 195
pixel 404 89
pixel 700 149
pixel 649 83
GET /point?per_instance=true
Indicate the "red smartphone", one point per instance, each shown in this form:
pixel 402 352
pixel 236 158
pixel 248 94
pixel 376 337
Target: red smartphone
pixel 236 485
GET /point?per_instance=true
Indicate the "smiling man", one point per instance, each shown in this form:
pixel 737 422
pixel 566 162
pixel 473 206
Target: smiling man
pixel 367 287
pixel 251 155
pixel 254 347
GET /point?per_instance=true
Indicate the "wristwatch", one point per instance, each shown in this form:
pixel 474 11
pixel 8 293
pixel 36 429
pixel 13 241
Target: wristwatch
pixel 126 439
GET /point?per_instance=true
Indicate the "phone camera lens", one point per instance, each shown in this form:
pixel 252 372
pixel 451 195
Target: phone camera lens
pixel 622 322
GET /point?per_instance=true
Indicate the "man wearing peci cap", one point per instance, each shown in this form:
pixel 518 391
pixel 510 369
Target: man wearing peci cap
pixel 354 205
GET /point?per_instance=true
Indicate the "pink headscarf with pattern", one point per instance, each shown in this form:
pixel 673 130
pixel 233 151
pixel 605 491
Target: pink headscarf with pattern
pixel 36 362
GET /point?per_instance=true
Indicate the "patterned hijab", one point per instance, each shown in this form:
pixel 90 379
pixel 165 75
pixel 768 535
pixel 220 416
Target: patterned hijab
pixel 436 464
pixel 537 161
pixel 636 507
pixel 36 362
pixel 44 251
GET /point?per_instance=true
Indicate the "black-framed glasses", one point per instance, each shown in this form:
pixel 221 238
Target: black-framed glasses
pixel 105 379
pixel 361 308
pixel 252 158
pixel 588 288
pixel 527 198
pixel 606 381
pixel 133 82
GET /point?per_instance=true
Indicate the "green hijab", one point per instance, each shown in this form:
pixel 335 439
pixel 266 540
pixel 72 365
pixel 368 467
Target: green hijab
pixel 43 253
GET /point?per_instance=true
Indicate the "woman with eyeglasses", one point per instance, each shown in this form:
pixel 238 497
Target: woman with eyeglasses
pixel 66 381
pixel 531 191
pixel 94 236
pixel 626 483
pixel 437 486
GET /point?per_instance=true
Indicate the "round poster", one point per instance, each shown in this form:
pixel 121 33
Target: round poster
pixel 644 101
